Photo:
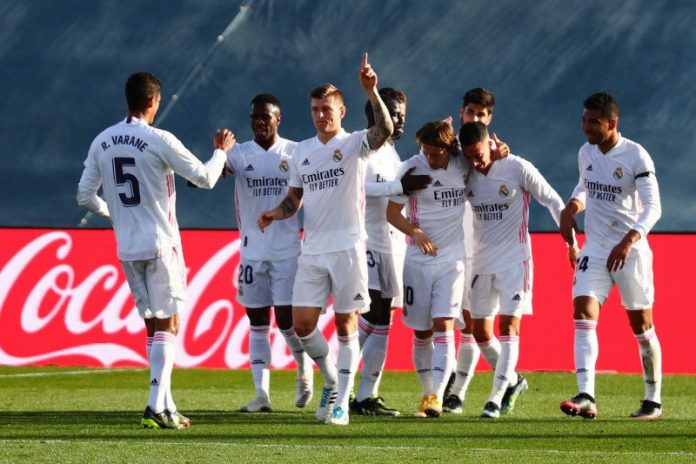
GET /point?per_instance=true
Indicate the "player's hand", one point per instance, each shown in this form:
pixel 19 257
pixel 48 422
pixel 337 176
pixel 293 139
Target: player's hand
pixel 619 254
pixel 568 226
pixel 424 243
pixel 412 182
pixel 501 148
pixel 224 139
pixel 573 252
pixel 265 219
pixel 368 76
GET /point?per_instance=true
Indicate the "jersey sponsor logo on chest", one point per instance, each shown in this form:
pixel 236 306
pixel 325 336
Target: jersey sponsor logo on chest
pixel 448 197
pixel 322 180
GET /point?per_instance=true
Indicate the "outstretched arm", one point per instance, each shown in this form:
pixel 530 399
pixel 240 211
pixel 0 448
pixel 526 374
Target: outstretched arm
pixel 289 206
pixel 383 128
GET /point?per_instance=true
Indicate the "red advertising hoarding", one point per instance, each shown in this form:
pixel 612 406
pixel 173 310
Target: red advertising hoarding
pixel 64 301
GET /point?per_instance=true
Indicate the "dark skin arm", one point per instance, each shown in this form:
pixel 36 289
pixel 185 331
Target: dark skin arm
pixel 412 182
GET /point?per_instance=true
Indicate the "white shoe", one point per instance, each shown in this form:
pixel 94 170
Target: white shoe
pixel 326 403
pixel 257 405
pixel 338 417
pixel 304 383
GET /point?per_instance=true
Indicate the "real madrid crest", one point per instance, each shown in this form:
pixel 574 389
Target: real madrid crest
pixel 283 166
pixel 337 156
pixel 618 173
pixel 503 190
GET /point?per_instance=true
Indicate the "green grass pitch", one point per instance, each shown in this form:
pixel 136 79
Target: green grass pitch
pixel 65 415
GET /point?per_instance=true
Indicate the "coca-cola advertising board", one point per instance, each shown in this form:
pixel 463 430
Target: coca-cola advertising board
pixel 64 300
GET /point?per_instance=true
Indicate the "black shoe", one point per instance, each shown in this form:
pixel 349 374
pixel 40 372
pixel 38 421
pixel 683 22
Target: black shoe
pixel 452 405
pixel 154 420
pixel 490 411
pixel 373 407
pixel 450 382
pixel 649 410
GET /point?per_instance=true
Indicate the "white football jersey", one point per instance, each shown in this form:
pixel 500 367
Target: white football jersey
pixel 500 205
pixel 135 163
pixel 609 188
pixel 332 177
pixel 438 210
pixel 261 183
pixel 380 184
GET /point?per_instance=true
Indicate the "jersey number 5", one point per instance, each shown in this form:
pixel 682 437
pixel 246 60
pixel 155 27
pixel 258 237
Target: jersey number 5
pixel 127 178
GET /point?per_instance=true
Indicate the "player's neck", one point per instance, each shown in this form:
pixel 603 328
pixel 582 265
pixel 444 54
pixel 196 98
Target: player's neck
pixel 324 136
pixel 610 143
pixel 142 115
pixel 267 143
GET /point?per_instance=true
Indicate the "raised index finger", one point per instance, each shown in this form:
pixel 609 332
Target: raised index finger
pixel 364 59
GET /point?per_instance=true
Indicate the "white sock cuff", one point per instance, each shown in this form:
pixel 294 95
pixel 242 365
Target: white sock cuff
pixel 422 342
pixel 347 339
pixel 164 338
pixel 646 336
pixel 491 341
pixel 443 338
pixel 509 339
pixel 585 324
pixel 312 334
pixel 259 330
pixel 467 339
pixel 288 332
pixel 148 341
pixel 365 325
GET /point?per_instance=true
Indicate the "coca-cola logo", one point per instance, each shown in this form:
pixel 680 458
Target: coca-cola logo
pixel 64 300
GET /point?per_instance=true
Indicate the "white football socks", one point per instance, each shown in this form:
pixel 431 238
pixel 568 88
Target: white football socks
pixel 651 360
pixel 422 361
pixel 260 359
pixel 467 359
pixel 586 350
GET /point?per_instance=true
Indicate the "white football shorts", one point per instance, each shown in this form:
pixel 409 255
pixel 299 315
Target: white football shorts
pixel 466 302
pixel 341 273
pixel 635 279
pixel 261 284
pixel 508 292
pixel 382 274
pixel 431 291
pixel 158 285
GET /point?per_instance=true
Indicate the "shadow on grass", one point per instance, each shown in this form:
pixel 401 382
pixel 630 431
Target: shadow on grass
pixel 124 425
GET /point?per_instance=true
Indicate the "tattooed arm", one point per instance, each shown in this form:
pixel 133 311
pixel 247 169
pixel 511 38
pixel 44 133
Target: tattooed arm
pixel 289 206
pixel 383 128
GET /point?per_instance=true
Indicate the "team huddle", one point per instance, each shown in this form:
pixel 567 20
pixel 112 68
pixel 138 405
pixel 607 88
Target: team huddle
pixel 443 235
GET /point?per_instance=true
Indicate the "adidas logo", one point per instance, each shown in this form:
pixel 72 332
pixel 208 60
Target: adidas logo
pixel 344 371
pixel 257 361
pixel 470 194
pixel 517 297
pixel 358 297
pixel 249 168
pixel 581 370
pixel 305 162
pixel 589 168
pixel 154 382
pixel 437 183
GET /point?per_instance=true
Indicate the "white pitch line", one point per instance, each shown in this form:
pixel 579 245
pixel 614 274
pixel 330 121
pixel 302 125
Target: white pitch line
pixel 46 374
pixel 352 446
